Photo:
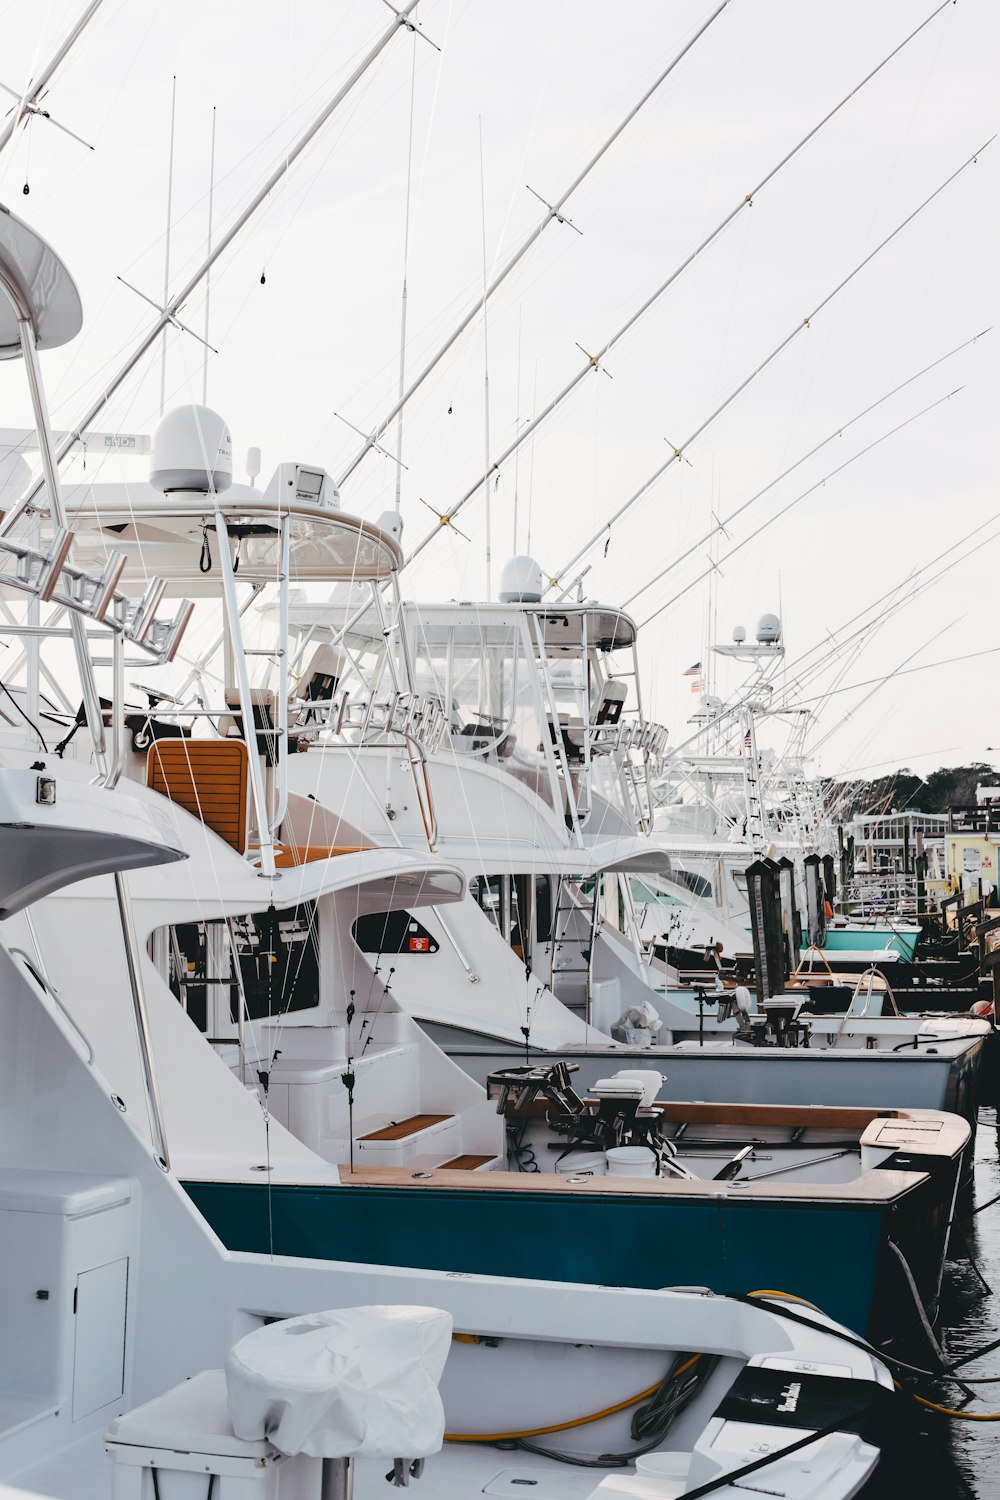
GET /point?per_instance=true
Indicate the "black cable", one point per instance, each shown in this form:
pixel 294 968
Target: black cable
pixel 30 722
pixel 730 1478
pixel 964 1246
pixel 781 1311
pixel 650 1421
pixel 963 1036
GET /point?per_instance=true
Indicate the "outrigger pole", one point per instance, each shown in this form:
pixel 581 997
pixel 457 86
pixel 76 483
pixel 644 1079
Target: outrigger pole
pixel 169 313
pixel 28 102
pixel 806 322
pixel 553 214
pixel 798 498
pixel 723 522
pixel 594 360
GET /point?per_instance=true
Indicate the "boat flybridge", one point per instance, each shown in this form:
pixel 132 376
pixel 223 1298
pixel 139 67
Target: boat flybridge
pixel 137 1352
pixel 415 754
pixel 721 801
pixel 500 735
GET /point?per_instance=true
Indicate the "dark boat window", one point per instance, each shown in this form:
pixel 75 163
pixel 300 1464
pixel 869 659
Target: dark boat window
pixel 392 932
pixel 278 959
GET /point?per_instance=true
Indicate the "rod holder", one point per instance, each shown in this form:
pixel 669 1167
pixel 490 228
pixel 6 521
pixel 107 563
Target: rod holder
pixel 141 615
pixel 52 566
pixel 165 636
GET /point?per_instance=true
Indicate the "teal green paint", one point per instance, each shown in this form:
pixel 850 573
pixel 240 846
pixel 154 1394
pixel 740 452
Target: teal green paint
pixel 828 1256
pixel 838 939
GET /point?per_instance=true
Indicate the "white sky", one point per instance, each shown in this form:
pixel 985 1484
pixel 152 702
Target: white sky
pixel 548 82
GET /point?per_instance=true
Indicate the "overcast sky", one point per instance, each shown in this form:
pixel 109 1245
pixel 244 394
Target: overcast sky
pixel 541 85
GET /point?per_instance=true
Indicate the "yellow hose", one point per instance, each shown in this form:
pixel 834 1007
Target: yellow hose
pixel 784 1297
pixel 966 1416
pixel 531 1432
pixel 610 1411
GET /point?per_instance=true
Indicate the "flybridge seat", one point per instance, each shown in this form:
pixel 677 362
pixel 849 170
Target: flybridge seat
pixel 604 723
pixel 208 778
pixel 262 704
pixel 484 734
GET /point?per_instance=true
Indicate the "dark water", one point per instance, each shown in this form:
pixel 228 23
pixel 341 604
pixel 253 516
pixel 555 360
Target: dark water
pixel 943 1457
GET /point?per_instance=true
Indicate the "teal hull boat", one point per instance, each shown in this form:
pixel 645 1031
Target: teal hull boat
pixel 863 936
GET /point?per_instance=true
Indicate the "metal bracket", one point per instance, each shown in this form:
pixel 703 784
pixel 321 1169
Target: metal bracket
pixel 553 212
pixel 165 312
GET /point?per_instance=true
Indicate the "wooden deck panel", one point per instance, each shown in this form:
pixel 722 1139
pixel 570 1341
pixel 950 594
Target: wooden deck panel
pixel 401 1130
pixel 873 1189
pixel 208 778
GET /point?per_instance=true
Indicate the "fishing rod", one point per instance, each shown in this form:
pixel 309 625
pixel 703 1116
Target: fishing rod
pixel 834 648
pixel 869 627
pixel 168 314
pixel 553 214
pixel 797 501
pixel 948 661
pixel 806 322
pixel 445 518
pixel 29 103
pixel 882 681
pixel 725 521
pixel 867 631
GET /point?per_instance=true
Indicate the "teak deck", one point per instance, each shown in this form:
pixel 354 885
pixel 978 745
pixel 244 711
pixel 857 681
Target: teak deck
pixel 401 1130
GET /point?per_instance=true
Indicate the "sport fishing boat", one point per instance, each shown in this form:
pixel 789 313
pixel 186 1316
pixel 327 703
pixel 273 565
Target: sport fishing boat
pixel 130 1333
pixel 275 934
pixel 546 839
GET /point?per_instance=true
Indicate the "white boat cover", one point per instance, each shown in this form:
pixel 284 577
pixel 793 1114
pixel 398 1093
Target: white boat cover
pixel 353 1381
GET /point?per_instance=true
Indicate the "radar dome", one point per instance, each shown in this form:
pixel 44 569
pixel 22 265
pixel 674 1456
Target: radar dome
pixel 768 630
pixel 521 582
pixel 192 450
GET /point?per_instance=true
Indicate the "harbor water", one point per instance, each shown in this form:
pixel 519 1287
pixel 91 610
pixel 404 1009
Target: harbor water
pixel 946 1457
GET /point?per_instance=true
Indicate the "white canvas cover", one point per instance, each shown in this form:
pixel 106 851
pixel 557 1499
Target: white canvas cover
pixel 349 1382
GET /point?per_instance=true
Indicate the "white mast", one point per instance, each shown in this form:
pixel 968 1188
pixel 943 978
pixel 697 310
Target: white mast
pixel 208 251
pixel 166 241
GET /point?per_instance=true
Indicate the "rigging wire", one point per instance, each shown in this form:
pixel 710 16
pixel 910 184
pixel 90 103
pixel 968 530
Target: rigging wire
pixel 726 521
pixel 745 201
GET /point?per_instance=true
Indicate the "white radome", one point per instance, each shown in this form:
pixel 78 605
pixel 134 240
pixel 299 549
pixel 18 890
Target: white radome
pixel 521 581
pixel 192 450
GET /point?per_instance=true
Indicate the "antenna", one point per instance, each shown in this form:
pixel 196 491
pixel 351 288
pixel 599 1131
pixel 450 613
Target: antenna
pixel 406 262
pixel 208 273
pixel 166 252
pixel 486 372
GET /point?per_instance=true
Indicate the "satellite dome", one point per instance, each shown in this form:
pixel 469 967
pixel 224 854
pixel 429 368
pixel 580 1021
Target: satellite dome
pixel 739 634
pixel 192 450
pixel 521 582
pixel 768 630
